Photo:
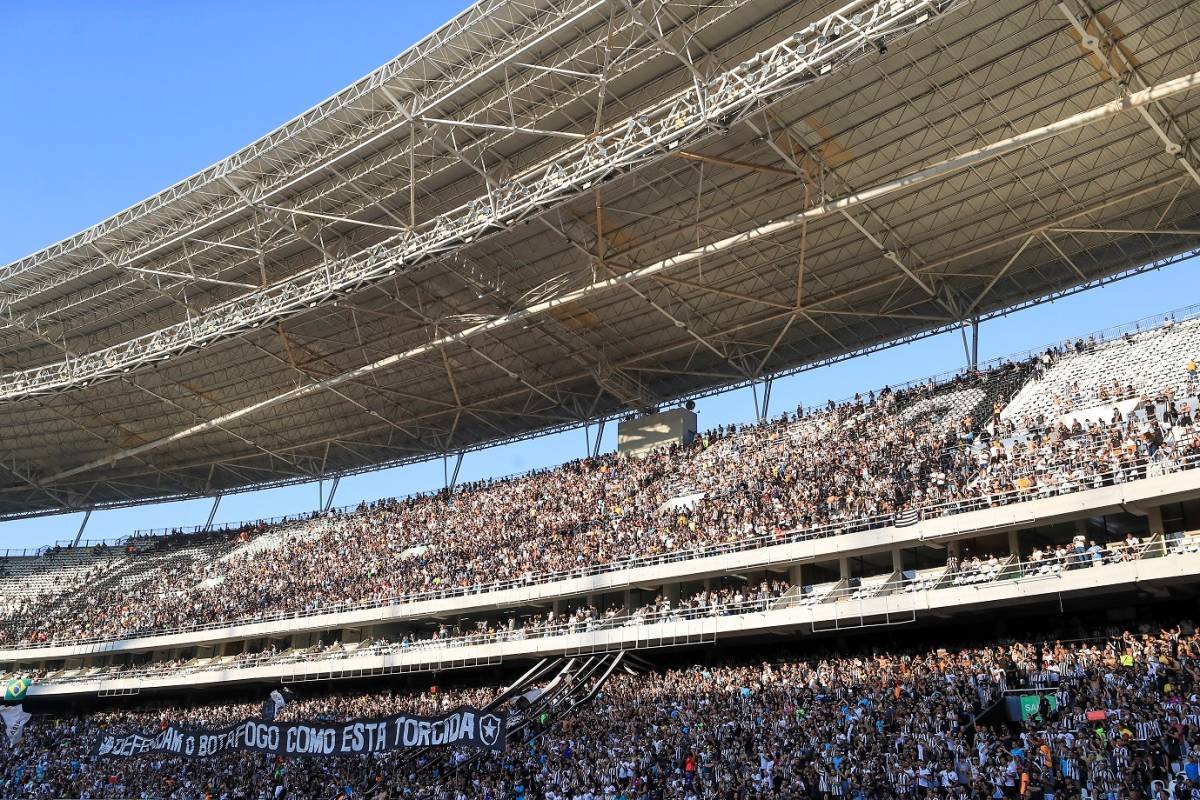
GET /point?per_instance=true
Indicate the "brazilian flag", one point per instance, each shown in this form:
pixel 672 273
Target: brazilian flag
pixel 15 691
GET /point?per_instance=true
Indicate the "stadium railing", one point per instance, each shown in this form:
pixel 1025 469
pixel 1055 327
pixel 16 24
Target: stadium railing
pixel 1011 569
pixel 1134 469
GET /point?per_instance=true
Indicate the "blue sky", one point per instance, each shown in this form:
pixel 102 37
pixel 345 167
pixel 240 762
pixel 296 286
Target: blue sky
pixel 107 103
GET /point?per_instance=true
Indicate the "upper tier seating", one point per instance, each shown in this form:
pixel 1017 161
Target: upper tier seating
pixel 56 570
pixel 895 455
pixel 1092 375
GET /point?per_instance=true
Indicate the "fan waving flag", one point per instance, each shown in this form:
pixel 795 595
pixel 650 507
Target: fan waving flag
pixel 14 718
pixel 12 712
pixel 15 690
pixel 274 703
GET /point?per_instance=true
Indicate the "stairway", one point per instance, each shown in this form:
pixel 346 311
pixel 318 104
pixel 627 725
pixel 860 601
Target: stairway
pixel 533 709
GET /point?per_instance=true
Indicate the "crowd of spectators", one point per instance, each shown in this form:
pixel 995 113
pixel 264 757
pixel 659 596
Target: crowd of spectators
pixel 1118 717
pixel 929 449
pixel 578 617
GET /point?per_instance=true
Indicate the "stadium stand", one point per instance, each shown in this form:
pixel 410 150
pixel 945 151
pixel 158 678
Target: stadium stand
pixel 928 450
pixel 555 212
pixel 1089 378
pixel 580 617
pixel 1119 716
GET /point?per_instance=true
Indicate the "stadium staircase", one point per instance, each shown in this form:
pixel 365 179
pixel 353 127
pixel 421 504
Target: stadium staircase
pixel 533 710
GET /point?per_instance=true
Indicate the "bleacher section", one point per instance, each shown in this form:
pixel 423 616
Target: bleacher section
pixel 888 458
pixel 55 571
pixel 66 579
pixel 1093 376
pixel 433 648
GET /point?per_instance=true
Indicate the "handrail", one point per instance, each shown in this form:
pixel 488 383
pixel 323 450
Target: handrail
pixel 25 552
pixel 1011 569
pixel 832 529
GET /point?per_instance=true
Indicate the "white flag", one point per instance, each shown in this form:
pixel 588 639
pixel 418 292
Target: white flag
pixel 14 718
pixel 277 699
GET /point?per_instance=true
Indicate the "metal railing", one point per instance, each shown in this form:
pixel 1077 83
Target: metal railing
pixel 24 552
pixel 1010 569
pixel 1138 468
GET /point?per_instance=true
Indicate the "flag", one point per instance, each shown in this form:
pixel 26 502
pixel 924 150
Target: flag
pixel 274 704
pixel 14 718
pixel 528 698
pixel 907 517
pixel 15 691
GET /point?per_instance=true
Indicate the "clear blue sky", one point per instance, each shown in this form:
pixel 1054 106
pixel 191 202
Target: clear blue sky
pixel 106 103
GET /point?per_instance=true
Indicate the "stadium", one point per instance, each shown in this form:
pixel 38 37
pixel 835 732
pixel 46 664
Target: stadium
pixel 572 214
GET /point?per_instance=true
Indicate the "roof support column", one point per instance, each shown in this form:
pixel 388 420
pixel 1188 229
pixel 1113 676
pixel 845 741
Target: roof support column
pixel 599 438
pixel 86 516
pixel 591 445
pixel 975 343
pixel 325 506
pixel 762 409
pixel 971 349
pixel 212 513
pixel 451 478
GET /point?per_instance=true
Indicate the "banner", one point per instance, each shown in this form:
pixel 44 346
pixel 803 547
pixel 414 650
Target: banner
pixel 14 718
pixel 1024 707
pixel 462 727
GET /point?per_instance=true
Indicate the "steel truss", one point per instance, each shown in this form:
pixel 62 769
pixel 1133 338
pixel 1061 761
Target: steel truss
pixel 729 383
pixel 499 31
pixel 261 188
pixel 627 278
pixel 684 293
pixel 694 114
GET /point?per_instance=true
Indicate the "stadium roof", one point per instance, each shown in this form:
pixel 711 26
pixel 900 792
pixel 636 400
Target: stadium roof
pixel 550 212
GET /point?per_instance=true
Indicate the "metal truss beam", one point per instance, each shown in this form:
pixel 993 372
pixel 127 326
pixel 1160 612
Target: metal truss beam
pixel 724 383
pixel 1119 68
pixel 493 48
pixel 689 116
pixel 267 186
pixel 1048 224
pixel 518 315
